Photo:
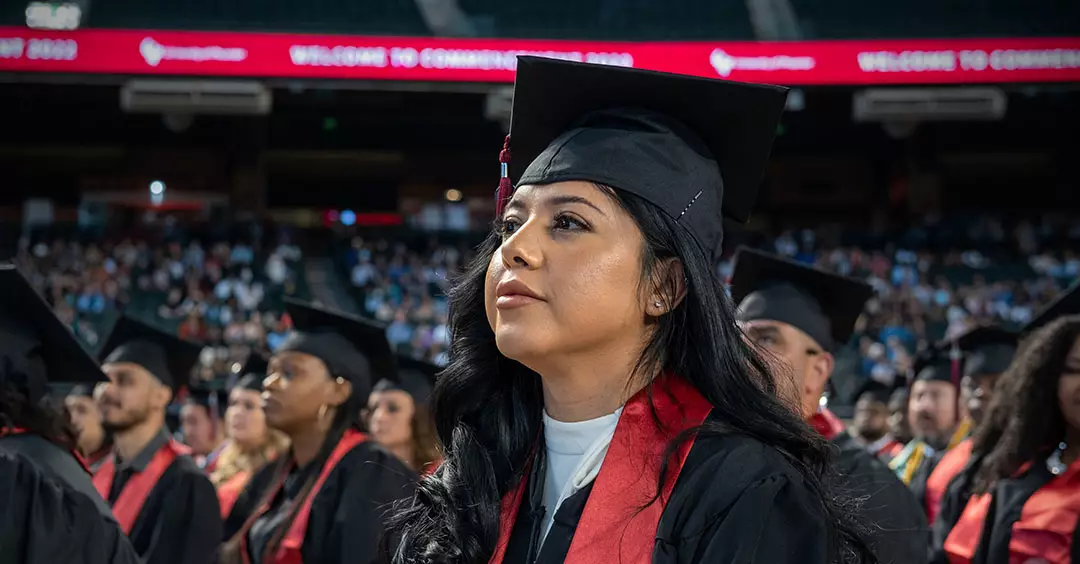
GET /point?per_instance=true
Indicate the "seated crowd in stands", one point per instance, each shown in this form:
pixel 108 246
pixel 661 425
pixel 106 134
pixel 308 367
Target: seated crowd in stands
pixel 229 296
pixel 222 295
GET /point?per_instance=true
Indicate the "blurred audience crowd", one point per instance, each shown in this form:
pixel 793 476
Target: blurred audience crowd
pixel 933 280
pixel 225 295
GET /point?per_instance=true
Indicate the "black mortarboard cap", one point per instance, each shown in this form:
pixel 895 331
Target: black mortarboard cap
pixel 825 306
pixel 253 373
pixel 988 349
pixel 255 364
pixel 876 390
pixel 935 363
pixel 694 147
pixel 210 397
pixel 40 347
pixel 415 377
pixel 1068 303
pixel 168 357
pixel 351 347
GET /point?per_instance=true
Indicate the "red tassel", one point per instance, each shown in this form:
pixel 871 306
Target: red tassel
pixel 506 189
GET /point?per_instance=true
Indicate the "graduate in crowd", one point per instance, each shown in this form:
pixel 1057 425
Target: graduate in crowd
pixel 1026 493
pixel 870 425
pixel 798 316
pixel 398 416
pixel 935 415
pixel 202 425
pixel 49 511
pixel 94 442
pixel 600 404
pixel 160 497
pixel 988 351
pixel 899 424
pixel 323 502
pixel 251 443
pixel 959 491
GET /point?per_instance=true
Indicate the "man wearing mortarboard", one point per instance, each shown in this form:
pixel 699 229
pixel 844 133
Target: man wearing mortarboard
pixel 935 415
pixel 988 351
pixel 870 425
pixel 798 316
pixel 161 498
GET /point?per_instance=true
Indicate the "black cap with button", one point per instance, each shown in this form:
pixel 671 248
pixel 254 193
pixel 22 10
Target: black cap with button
pixel 988 350
pixel 823 305
pixel 415 377
pixel 35 346
pixel 352 348
pixel 167 357
pixel 694 147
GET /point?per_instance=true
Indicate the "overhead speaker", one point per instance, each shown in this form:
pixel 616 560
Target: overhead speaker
pixel 195 97
pixel 929 104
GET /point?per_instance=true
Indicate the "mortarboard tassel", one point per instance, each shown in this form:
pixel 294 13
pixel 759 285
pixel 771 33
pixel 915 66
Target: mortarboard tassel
pixel 506 189
pixel 955 356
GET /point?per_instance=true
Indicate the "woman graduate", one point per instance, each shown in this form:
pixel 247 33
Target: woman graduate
pixel 398 417
pixel 958 491
pixel 322 502
pixel 252 444
pixel 49 510
pixel 1026 503
pixel 94 442
pixel 601 404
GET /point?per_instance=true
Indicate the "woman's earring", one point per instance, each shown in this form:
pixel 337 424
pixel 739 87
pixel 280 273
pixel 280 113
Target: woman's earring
pixel 658 305
pixel 322 411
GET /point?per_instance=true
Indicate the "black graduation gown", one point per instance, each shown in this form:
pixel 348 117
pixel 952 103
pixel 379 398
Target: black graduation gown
pixel 735 501
pixel 1009 499
pixel 347 514
pixel 180 521
pixel 43 520
pixel 921 476
pixel 898 532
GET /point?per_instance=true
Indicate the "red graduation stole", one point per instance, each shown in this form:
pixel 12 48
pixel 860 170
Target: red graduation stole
pixel 1044 531
pixel 229 490
pixel 288 552
pixel 131 499
pixel 891 449
pixel 613 527
pixel 951 464
pixel 826 424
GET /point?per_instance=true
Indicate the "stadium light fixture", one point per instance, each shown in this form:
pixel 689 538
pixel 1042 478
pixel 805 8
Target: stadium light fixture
pixel 56 16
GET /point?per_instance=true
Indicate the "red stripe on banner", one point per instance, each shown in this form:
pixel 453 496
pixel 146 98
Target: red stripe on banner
pixel 917 61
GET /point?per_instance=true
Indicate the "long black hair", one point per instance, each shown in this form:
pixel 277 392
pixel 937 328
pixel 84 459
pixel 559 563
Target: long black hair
pixel 1025 420
pixel 42 417
pixel 487 407
pixel 347 416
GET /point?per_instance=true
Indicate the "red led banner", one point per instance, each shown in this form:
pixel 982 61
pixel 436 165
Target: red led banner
pixel 930 61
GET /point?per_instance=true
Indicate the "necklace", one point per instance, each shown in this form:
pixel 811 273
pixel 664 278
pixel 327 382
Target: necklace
pixel 1054 463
